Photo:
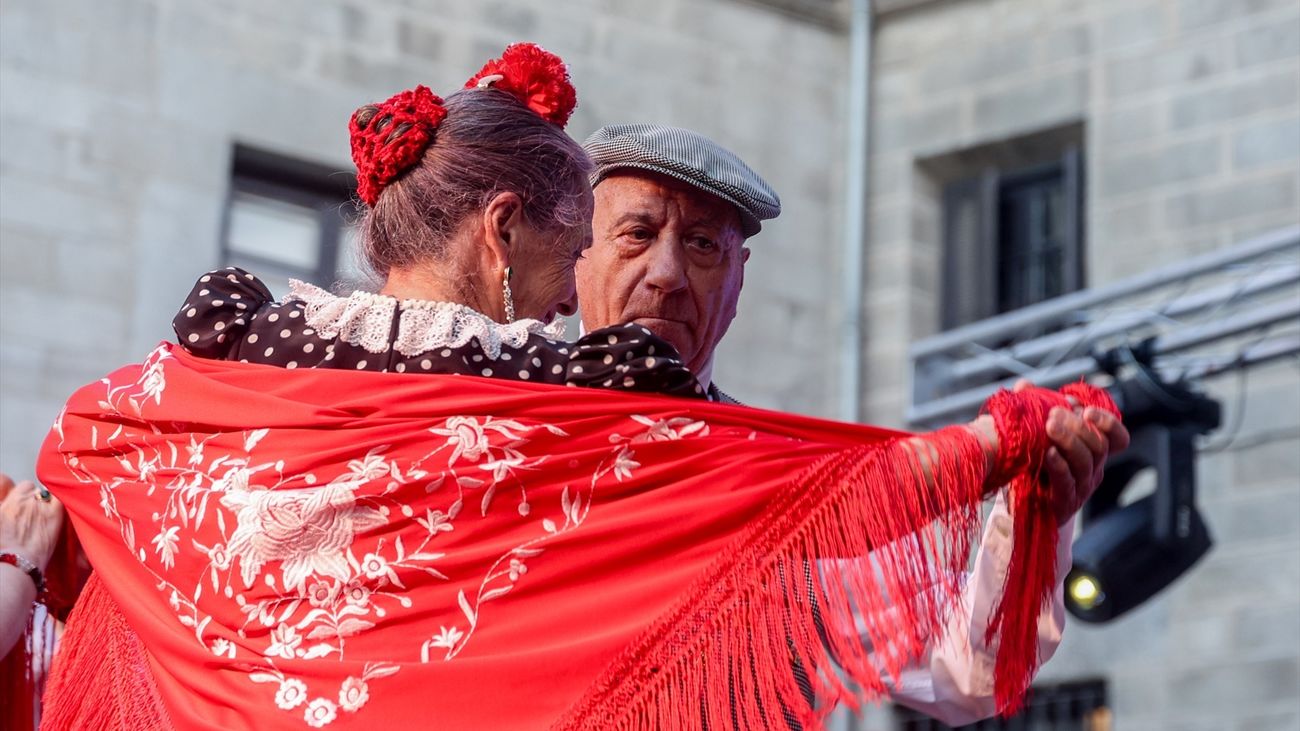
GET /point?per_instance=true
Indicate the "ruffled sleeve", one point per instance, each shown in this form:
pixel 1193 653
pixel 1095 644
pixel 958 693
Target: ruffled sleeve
pixel 630 358
pixel 216 315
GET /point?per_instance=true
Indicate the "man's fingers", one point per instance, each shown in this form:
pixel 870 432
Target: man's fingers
pixel 1064 425
pixel 1116 433
pixel 1063 485
pixel 6 484
pixel 1070 443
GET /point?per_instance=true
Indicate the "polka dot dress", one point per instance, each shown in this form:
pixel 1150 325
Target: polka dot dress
pixel 231 315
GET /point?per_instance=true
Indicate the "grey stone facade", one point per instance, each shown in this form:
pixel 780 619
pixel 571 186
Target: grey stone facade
pixel 1190 127
pixel 118 120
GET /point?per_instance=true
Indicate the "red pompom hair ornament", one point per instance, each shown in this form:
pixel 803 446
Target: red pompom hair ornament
pixel 390 138
pixel 535 76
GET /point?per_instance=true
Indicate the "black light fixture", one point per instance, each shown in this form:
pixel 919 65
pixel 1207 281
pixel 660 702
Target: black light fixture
pixel 1128 553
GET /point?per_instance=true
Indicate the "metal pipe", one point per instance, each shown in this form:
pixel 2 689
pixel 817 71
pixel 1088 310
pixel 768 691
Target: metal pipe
pixel 1056 309
pixel 855 213
pixel 968 401
pixel 1084 335
pixel 1256 354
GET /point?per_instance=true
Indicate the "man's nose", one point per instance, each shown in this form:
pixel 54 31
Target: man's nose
pixel 667 268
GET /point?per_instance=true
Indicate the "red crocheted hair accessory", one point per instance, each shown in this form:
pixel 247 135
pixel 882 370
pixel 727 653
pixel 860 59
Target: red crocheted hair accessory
pixel 535 76
pixel 390 138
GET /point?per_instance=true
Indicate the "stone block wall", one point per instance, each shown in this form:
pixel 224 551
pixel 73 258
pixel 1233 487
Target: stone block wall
pixel 118 118
pixel 1190 116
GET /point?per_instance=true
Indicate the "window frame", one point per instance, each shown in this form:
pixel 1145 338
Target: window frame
pixel 972 280
pixel 329 192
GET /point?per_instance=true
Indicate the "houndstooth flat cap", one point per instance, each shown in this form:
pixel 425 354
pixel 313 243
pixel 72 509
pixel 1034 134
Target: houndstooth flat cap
pixel 689 157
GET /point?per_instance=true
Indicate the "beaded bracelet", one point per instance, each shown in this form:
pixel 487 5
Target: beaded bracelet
pixel 27 567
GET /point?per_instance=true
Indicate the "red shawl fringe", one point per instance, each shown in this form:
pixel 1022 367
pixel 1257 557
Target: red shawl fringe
pixel 101 681
pixel 766 614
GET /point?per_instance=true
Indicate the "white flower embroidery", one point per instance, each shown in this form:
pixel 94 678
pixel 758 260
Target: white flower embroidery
pixel 308 530
pixel 371 467
pixel 671 429
pixel 501 468
pixel 624 464
pixel 236 478
pixel 322 593
pixel 353 695
pixel 466 435
pixel 374 566
pixel 284 640
pixel 291 694
pixel 153 382
pixel 220 556
pixel 165 544
pixel 320 712
pixel 221 647
pixel 303 543
pixel 356 593
pixel 195 452
pixel 517 569
pixel 448 637
pixel 435 521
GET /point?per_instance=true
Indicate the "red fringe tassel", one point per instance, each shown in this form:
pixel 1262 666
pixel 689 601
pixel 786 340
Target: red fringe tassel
pixel 771 613
pixel 101 679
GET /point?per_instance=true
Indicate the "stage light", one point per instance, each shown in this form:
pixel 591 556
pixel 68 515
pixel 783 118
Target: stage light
pixel 1121 560
pixel 1127 553
pixel 1084 591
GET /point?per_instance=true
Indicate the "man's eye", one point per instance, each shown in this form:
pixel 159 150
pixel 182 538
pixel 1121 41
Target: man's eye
pixel 704 244
pixel 640 234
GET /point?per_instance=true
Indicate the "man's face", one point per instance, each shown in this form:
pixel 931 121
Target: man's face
pixel 667 256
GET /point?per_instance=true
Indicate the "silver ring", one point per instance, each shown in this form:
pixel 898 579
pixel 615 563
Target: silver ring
pixel 43 495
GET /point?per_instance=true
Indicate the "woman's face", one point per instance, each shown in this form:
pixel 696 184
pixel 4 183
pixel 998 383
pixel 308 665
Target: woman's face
pixel 542 261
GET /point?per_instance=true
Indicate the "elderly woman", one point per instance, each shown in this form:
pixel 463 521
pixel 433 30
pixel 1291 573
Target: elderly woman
pixel 303 519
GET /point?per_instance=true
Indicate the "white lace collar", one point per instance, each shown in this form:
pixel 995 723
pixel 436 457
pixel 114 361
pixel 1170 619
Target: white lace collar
pixel 366 320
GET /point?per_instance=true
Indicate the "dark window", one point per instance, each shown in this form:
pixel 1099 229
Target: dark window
pixel 286 218
pixel 1077 706
pixel 1012 238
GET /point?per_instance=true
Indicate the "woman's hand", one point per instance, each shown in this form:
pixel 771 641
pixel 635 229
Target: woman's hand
pixel 29 524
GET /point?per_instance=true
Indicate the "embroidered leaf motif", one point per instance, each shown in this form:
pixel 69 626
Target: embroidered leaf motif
pixel 499 591
pixel 352 626
pixel 316 651
pixel 378 670
pixel 466 608
pixel 253 438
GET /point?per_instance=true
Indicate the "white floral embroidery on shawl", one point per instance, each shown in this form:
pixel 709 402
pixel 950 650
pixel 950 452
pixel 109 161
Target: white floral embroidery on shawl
pixel 297 545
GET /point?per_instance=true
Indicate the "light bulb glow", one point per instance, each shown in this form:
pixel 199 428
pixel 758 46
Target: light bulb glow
pixel 1086 592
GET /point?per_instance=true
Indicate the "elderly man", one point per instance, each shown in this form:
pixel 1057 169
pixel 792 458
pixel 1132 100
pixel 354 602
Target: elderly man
pixel 673 212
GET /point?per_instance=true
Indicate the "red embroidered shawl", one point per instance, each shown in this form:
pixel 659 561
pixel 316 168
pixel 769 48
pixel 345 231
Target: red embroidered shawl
pixel 346 549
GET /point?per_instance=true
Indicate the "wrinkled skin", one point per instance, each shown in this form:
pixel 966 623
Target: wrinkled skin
pixel 667 256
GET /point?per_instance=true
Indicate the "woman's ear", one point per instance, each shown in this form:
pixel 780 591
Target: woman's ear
pixel 503 221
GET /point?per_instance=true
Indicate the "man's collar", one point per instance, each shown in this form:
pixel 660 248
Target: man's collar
pixel 705 376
